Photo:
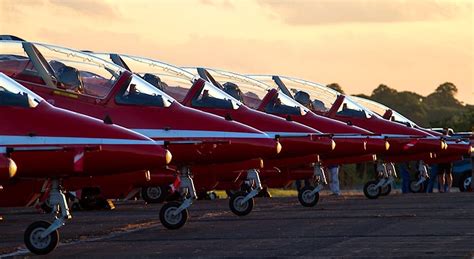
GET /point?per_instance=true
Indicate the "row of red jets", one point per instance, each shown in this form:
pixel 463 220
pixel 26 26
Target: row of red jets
pixel 108 123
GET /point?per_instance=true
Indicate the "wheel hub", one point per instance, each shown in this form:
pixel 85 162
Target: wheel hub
pixel 467 183
pixel 308 197
pixel 153 192
pixel 239 205
pixel 171 217
pixel 37 241
pixel 372 190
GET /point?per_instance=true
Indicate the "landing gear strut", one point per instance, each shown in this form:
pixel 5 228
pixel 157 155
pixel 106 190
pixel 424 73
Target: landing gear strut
pixel 173 215
pixel 41 237
pixel 308 196
pixel 241 203
pixel 383 185
pixel 417 186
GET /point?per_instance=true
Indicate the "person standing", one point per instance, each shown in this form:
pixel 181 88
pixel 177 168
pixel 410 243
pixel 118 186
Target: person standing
pixel 445 177
pixel 334 175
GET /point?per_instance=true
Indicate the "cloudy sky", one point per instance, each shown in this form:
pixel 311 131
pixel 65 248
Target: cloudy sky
pixel 409 45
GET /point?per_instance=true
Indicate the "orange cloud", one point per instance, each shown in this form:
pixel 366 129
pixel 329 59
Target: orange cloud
pixel 363 11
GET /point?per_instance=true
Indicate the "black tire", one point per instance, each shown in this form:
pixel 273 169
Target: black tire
pixel 384 191
pixel 35 244
pixel 370 191
pixel 465 183
pixel 153 194
pixel 306 199
pixel 173 222
pixel 236 208
pixel 416 189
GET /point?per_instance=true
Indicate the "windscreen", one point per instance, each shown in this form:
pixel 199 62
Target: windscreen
pixel 170 79
pixel 15 62
pixel 312 95
pixel 251 91
pixel 380 109
pixel 213 97
pixel 80 72
pixel 139 92
pixel 13 94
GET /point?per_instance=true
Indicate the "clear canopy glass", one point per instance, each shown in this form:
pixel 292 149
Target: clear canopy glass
pixel 380 109
pixel 14 94
pixel 140 92
pixel 59 67
pixel 252 91
pixel 315 96
pixel 172 80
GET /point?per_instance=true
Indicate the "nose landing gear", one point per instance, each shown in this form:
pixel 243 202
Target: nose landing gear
pixel 173 215
pixel 308 196
pixel 241 203
pixel 417 186
pixel 41 237
pixel 383 185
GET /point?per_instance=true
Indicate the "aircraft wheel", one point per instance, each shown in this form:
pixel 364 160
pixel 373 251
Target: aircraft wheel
pixel 171 221
pixel 370 191
pixel 153 194
pixel 240 209
pixel 213 196
pixel 416 188
pixel 465 183
pixel 35 243
pixel 386 190
pixel 306 198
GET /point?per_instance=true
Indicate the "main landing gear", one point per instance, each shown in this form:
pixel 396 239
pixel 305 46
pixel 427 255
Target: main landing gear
pixel 308 196
pixel 173 215
pixel 241 203
pixel 383 185
pixel 419 185
pixel 41 237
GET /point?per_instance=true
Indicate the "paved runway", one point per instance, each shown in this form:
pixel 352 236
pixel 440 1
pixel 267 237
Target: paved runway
pixel 412 225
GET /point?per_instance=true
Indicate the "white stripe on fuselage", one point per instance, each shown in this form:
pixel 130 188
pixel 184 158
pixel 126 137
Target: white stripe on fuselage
pixel 187 134
pixel 13 140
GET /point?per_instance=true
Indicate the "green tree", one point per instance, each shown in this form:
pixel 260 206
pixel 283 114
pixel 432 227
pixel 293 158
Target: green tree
pixel 337 87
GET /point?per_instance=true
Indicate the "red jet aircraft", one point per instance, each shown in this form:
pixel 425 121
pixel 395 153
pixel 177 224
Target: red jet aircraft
pixel 301 143
pixel 457 146
pixel 406 143
pixel 50 143
pixel 83 83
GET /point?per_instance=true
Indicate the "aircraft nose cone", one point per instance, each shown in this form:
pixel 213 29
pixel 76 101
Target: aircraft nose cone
pixel 154 156
pixel 377 145
pixel 262 147
pixel 7 168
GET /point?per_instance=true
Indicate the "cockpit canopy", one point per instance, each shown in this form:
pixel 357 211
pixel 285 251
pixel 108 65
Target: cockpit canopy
pixel 381 109
pixel 76 72
pixel 173 80
pixel 13 94
pixel 252 92
pixel 58 67
pixel 313 96
pixel 170 79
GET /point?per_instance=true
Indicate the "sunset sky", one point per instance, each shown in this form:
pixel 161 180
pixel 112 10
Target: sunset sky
pixel 408 45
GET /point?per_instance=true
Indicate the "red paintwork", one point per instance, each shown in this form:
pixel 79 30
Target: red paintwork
pixel 48 121
pixel 417 147
pixel 346 146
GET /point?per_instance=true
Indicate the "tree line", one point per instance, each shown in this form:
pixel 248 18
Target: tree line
pixel 437 110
